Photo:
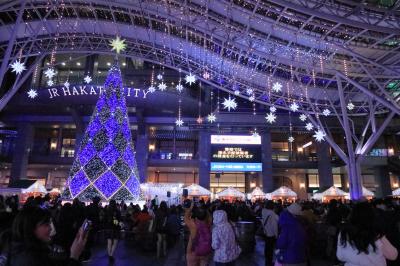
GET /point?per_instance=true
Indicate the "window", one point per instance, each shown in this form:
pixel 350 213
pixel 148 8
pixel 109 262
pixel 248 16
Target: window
pixel 337 181
pixel 280 146
pixel 313 180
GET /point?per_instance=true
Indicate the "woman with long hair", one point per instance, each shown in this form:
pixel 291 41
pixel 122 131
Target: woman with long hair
pixel 31 233
pixel 361 242
pixel 113 229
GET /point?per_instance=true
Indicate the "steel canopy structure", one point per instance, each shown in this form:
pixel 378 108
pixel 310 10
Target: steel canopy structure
pixel 325 53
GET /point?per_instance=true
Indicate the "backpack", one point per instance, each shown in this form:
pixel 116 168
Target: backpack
pixel 202 241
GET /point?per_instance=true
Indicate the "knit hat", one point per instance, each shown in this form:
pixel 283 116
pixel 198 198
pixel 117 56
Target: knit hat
pixel 295 209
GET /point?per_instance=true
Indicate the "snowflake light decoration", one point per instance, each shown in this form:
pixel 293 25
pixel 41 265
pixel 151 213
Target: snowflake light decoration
pixel 118 45
pixel 350 106
pixel 294 107
pixel 303 117
pixel 291 139
pixel 179 122
pixel 277 87
pixel 255 134
pixel 18 67
pixel 32 93
pixel 66 84
pixel 319 135
pixel 326 112
pixel 272 109
pixel 190 79
pixel 229 103
pixel 252 98
pixel 236 92
pixel 211 118
pixel 50 83
pixel 206 75
pixel 309 126
pixel 87 79
pixel 152 89
pixel 50 73
pixel 271 117
pixel 179 87
pixel 199 120
pixel 162 86
pixel 159 77
pixel 249 91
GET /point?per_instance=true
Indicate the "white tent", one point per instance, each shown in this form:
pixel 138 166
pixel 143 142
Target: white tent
pixel 36 187
pixel 334 192
pixel 367 193
pixel 396 192
pixel 195 190
pixel 257 193
pixel 55 191
pixel 317 196
pixel 231 192
pixel 283 192
pixel 150 190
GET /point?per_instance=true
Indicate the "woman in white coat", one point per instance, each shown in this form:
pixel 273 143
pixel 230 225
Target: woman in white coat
pixel 360 242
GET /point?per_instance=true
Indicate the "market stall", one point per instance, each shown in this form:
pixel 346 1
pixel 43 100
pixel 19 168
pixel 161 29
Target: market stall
pixel 257 194
pixel 231 194
pixel 396 193
pixel 24 188
pixel 284 193
pixel 198 192
pixel 334 193
pixel 368 194
pixel 169 192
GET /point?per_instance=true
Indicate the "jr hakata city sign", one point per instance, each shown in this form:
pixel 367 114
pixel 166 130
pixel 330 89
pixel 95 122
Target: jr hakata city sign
pixel 84 90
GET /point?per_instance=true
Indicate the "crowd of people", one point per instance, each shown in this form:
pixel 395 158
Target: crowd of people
pixel 44 231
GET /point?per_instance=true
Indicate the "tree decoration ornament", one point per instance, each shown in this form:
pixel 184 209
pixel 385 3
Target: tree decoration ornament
pixel 105 165
pixel 87 79
pixel 277 87
pixel 326 112
pixel 294 107
pixel 319 135
pixel 152 89
pixel 350 106
pixel 190 79
pixel 291 139
pixel 229 103
pixel 18 67
pixel 118 45
pixel 66 84
pixel 32 93
pixel 179 87
pixel 271 118
pixel 162 86
pixel 50 73
pixel 272 109
pixel 179 122
pixel 211 118
pixel 309 126
pixel 303 117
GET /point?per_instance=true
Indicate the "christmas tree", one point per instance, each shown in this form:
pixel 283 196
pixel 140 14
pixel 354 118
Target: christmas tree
pixel 105 165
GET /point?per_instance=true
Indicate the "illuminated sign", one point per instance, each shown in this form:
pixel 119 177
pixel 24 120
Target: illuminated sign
pixel 236 167
pixel 232 153
pixel 235 139
pixel 83 90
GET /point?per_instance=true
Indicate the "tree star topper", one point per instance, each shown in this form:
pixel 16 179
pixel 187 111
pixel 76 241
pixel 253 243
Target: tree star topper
pixel 229 103
pixel 118 45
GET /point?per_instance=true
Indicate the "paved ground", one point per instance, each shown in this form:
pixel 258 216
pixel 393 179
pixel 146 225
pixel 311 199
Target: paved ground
pixel 127 254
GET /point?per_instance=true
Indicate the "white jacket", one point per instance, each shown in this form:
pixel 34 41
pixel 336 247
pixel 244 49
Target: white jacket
pixel 351 256
pixel 271 225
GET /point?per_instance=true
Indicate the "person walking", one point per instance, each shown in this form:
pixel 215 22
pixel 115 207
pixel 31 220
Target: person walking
pixel 113 229
pixel 161 218
pixel 226 249
pixel 270 225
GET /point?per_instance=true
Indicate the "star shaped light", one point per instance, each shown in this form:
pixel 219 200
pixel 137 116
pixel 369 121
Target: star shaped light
pixel 118 45
pixel 350 106
pixel 294 107
pixel 211 118
pixel 290 139
pixel 159 77
pixel 229 103
pixel 179 122
pixel 18 67
pixel 32 93
pixel 277 87
pixel 319 135
pixel 249 91
pixel 236 92
pixel 152 89
pixel 206 75
pixel 272 109
pixel 252 98
pixel 199 120
pixel 87 79
pixel 326 112
pixel 309 126
pixel 179 87
pixel 303 117
pixel 66 84
pixel 162 86
pixel 255 134
pixel 271 117
pixel 190 79
pixel 50 73
pixel 50 82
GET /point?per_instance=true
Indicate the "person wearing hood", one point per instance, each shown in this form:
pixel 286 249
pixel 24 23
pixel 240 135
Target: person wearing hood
pixel 291 243
pixel 226 249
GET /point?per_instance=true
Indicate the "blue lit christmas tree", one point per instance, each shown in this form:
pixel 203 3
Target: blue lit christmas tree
pixel 105 165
